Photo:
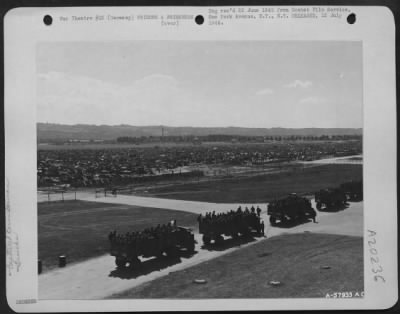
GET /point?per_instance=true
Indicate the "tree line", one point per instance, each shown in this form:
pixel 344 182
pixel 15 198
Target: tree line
pixel 232 138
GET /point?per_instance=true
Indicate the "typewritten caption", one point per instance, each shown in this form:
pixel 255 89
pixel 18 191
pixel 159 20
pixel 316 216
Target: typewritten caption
pixel 217 16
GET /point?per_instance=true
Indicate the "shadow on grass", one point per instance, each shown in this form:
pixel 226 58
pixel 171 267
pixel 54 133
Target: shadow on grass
pixel 148 266
pixel 293 223
pixel 334 209
pixel 229 243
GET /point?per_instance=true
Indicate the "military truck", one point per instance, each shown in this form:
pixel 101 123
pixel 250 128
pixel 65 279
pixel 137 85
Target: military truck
pixel 232 224
pixel 330 199
pixel 291 208
pixel 153 242
pixel 353 190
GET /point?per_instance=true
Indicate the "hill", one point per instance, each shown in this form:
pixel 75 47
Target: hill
pixel 50 131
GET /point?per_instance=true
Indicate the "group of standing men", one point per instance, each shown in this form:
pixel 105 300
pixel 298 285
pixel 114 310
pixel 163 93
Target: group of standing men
pixel 224 222
pixel 141 236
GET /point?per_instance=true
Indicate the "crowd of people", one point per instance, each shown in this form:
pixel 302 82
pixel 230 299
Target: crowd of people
pixel 231 221
pixel 136 238
pixel 100 167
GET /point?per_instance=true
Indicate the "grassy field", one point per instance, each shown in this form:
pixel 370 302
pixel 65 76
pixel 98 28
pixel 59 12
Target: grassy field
pixel 79 229
pixel 295 260
pixel 264 187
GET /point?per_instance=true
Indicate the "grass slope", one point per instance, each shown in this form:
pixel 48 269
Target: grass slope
pixel 79 229
pixel 294 260
pixel 264 187
pixel 59 207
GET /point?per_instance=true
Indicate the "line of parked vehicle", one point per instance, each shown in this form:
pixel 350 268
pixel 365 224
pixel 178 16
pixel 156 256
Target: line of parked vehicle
pixel 171 239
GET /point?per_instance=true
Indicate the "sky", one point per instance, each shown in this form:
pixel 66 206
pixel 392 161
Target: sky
pixel 292 84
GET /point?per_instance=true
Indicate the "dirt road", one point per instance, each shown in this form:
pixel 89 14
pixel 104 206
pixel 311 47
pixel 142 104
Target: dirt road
pixel 98 278
pixel 155 202
pixel 353 159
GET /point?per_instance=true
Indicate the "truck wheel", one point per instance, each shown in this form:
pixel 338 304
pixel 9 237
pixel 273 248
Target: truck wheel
pixel 121 263
pixel 172 252
pixel 272 221
pixel 246 233
pixel 206 240
pixel 219 240
pixel 135 263
pixel 319 205
pixel 191 247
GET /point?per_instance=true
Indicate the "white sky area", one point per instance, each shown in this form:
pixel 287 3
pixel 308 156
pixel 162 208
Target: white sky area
pixel 201 83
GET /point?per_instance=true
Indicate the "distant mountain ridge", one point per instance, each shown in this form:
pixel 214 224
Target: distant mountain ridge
pixel 51 131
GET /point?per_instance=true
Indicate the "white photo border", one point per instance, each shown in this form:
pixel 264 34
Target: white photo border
pixel 24 29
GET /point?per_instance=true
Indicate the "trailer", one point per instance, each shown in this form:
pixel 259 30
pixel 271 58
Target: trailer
pixel 353 190
pixel 231 224
pixel 129 248
pixel 330 199
pixel 291 208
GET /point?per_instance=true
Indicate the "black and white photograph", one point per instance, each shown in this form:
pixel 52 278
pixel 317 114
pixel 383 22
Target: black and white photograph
pixel 159 159
pixel 212 169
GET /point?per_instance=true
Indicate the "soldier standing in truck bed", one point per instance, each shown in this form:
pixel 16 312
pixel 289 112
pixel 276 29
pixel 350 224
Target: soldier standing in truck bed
pixel 262 228
pixel 258 211
pixel 111 235
pixel 314 214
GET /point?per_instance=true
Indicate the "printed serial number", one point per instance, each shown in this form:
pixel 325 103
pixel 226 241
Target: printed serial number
pixel 346 294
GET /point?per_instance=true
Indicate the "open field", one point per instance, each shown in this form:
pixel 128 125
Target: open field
pixel 294 260
pixel 79 229
pixel 264 187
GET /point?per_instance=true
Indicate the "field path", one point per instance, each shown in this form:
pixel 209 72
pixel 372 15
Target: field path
pixel 353 159
pixel 155 202
pixel 98 278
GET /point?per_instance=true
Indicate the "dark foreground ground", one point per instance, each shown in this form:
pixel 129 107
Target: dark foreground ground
pixel 262 188
pixel 307 265
pixel 79 229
